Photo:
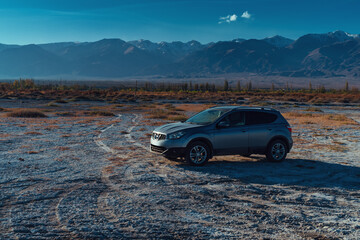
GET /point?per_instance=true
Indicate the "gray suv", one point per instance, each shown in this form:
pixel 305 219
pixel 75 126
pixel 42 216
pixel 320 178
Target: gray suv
pixel 226 130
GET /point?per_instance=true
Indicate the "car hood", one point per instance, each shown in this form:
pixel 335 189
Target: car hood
pixel 174 127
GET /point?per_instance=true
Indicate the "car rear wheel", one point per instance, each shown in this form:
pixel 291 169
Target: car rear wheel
pixel 276 151
pixel 197 153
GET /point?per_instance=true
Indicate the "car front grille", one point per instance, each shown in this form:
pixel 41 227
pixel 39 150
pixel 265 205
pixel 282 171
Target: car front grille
pixel 157 149
pixel 158 136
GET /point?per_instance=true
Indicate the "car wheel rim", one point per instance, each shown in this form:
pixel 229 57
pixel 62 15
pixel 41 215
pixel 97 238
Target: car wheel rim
pixel 278 151
pixel 198 154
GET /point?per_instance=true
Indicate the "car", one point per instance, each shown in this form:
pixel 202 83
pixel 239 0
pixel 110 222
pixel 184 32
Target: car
pixel 225 130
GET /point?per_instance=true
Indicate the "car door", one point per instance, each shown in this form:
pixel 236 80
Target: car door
pixel 230 135
pixel 260 129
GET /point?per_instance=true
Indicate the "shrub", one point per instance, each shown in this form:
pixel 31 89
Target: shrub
pixel 65 114
pixel 100 113
pixel 313 109
pixel 52 104
pixel 158 114
pixel 27 114
pixel 33 133
pixel 178 118
pixel 60 101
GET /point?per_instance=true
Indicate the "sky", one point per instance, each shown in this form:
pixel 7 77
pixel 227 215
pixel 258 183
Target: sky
pixel 45 21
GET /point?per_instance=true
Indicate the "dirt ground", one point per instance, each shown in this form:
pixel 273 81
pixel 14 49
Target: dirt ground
pixel 93 177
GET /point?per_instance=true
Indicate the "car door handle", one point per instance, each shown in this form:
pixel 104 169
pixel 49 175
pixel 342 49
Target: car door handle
pixel 269 129
pixel 243 130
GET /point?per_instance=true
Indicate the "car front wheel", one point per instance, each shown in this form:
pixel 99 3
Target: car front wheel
pixel 197 153
pixel 276 151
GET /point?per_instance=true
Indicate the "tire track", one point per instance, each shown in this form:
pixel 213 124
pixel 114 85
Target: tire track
pixel 100 143
pixel 136 170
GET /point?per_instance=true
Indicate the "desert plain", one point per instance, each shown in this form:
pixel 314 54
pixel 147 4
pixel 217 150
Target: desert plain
pixel 83 169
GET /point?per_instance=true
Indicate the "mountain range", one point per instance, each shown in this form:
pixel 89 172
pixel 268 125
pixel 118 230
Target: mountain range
pixel 312 55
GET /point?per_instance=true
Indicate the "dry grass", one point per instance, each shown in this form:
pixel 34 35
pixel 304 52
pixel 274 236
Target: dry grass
pixel 60 101
pixel 65 114
pixel 6 135
pixel 52 104
pixel 33 152
pixel 166 115
pixel 192 96
pixel 51 127
pixel 326 147
pixel 63 148
pixel 177 118
pixel 167 112
pixel 99 113
pixel 325 120
pixel 313 109
pixel 193 107
pixel 26 114
pixel 33 133
pixel 338 148
pixel 158 114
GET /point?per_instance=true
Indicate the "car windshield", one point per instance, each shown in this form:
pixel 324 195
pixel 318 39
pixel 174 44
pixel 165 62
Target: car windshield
pixel 208 116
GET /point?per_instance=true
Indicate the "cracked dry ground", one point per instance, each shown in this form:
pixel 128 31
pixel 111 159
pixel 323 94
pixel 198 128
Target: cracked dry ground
pixel 94 178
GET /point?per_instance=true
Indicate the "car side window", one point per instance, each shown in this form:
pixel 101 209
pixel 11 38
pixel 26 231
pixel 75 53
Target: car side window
pixel 235 119
pixel 253 118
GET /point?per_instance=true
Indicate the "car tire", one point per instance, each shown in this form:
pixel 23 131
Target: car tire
pixel 276 151
pixel 197 153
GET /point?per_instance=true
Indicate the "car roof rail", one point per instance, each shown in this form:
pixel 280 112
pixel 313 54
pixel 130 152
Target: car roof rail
pixel 268 109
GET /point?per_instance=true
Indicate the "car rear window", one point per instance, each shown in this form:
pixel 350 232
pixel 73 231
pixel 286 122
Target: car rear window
pixel 253 118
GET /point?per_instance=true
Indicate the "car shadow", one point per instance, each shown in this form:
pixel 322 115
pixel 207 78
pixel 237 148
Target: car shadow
pixel 291 172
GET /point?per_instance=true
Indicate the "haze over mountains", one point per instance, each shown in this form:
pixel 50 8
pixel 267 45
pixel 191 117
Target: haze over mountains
pixel 312 55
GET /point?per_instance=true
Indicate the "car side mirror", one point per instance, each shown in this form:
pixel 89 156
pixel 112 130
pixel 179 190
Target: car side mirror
pixel 223 124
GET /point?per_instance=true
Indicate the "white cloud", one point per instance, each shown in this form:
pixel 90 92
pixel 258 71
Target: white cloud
pixel 233 18
pixel 246 14
pixel 228 19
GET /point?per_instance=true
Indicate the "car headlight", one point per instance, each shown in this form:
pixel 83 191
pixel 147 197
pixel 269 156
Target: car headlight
pixel 176 135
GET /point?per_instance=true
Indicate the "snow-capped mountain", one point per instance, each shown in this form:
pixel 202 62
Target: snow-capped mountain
pixel 329 54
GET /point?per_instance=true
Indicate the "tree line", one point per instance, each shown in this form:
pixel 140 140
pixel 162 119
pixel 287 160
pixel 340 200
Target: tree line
pixel 30 84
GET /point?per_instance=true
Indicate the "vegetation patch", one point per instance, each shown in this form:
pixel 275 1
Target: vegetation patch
pixel 26 114
pixel 65 114
pixel 313 109
pixel 33 133
pixel 63 148
pixel 158 114
pixel 179 118
pixel 60 101
pixel 338 148
pixel 325 120
pixel 99 113
pixel 33 152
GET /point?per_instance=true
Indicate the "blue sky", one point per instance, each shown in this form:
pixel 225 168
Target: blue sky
pixel 43 21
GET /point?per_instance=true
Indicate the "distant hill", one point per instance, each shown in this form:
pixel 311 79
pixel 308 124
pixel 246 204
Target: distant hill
pixel 312 55
pixel 278 41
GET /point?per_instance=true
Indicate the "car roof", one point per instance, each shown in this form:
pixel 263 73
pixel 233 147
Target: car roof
pixel 244 108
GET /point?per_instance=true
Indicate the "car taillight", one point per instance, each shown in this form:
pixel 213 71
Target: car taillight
pixel 289 128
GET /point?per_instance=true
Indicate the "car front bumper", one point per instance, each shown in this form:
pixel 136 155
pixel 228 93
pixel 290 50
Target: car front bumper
pixel 168 148
pixel 168 152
